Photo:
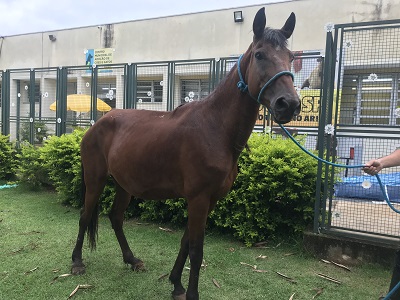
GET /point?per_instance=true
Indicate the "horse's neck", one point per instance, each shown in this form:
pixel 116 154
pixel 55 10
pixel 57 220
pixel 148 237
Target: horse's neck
pixel 237 111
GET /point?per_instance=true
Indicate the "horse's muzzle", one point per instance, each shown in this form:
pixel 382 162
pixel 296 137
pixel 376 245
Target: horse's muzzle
pixel 285 108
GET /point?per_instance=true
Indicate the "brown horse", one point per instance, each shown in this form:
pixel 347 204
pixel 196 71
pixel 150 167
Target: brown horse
pixel 191 152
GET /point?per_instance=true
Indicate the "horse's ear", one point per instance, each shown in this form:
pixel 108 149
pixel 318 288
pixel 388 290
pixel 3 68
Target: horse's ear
pixel 288 28
pixel 259 23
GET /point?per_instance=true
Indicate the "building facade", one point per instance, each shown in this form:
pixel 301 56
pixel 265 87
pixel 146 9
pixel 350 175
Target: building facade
pixel 210 34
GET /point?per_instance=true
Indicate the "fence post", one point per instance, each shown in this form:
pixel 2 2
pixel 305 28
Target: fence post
pixel 171 85
pixel 93 85
pixel 5 97
pixel 327 94
pixel 130 86
pixel 61 106
pixel 32 90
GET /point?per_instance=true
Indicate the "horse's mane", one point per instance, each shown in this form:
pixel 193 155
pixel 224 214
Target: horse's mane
pixel 275 37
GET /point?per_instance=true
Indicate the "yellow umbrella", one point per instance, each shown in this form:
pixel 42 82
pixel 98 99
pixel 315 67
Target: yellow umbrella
pixel 81 103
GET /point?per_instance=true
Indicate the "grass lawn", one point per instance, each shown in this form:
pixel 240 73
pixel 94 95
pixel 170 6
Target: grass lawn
pixel 37 235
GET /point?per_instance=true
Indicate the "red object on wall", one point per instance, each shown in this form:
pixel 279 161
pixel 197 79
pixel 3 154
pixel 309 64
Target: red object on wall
pixel 351 152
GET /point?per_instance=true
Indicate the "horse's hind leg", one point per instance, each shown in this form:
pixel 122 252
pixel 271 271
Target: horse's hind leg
pixel 121 202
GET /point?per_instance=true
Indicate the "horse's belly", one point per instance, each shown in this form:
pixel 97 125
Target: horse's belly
pixel 157 194
pixel 151 186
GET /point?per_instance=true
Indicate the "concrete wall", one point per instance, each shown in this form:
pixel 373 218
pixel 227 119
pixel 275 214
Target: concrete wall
pixel 191 36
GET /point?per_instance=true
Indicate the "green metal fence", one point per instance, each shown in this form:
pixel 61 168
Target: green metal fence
pixel 37 103
pixel 352 88
pixel 361 103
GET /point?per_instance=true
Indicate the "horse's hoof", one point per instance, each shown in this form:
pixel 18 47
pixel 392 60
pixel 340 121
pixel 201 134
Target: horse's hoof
pixel 78 270
pixel 139 267
pixel 179 297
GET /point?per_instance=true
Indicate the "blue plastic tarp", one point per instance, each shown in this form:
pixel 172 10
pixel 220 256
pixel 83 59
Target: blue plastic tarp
pixel 351 187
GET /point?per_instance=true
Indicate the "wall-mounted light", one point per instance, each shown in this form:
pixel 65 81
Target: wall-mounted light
pixel 238 16
pixel 52 37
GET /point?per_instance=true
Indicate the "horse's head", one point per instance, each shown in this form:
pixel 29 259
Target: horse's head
pixel 269 60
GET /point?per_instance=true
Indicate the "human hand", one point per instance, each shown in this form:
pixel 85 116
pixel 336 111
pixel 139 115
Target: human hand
pixel 373 167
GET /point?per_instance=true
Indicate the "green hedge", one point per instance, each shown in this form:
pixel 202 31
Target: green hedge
pixel 8 160
pixel 31 168
pixel 273 193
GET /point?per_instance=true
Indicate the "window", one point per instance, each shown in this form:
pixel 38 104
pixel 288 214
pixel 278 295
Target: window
pixel 107 92
pixel 37 92
pixel 148 91
pixel 194 89
pixel 370 99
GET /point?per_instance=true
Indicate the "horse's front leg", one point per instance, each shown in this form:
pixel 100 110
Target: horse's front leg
pixel 197 216
pixel 176 274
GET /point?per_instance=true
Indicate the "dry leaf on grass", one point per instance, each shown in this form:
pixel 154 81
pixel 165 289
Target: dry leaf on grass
pixel 204 265
pixel 261 257
pixel 286 277
pixel 341 266
pixel 326 261
pixel 78 287
pixel 249 265
pixel 162 276
pixel 31 271
pixel 216 283
pixel 292 297
pixel 260 271
pixel 331 279
pixel 166 229
pixel 336 264
pixel 60 276
pixel 319 292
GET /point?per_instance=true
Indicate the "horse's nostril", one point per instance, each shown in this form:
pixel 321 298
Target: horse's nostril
pixel 281 104
pixel 297 110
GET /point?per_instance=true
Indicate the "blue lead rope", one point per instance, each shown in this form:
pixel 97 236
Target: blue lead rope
pixel 383 189
pixel 244 88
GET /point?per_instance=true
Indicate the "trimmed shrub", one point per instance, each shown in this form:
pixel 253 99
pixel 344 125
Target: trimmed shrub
pixel 171 210
pixel 8 161
pixel 273 193
pixel 61 158
pixel 31 169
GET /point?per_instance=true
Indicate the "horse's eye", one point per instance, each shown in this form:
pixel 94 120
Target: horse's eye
pixel 258 55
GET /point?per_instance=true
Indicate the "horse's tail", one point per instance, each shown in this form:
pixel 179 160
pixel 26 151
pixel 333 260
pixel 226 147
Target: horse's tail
pixel 93 222
pixel 92 228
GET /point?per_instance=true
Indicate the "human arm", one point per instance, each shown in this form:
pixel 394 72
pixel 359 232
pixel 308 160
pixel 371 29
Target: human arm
pixel 376 165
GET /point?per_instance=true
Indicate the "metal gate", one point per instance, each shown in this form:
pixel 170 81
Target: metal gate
pixel 359 121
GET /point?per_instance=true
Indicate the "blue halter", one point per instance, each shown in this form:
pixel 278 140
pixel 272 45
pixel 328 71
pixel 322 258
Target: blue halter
pixel 244 88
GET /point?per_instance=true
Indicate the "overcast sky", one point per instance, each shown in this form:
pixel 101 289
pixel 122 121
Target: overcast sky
pixel 27 16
